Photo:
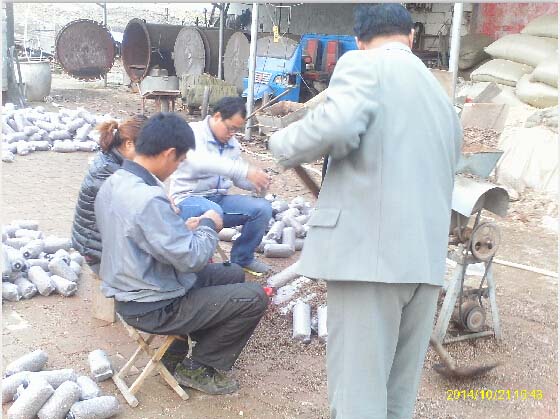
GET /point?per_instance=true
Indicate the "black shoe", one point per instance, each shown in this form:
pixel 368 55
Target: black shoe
pixel 171 360
pixel 205 379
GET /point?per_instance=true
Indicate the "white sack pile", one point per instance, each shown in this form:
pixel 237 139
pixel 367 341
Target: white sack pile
pixel 34 129
pixel 33 263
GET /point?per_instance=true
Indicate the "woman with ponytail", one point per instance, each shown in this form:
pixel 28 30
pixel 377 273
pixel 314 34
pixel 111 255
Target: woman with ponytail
pixel 117 142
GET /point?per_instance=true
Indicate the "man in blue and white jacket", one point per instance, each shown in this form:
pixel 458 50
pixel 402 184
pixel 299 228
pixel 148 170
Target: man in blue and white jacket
pixel 214 167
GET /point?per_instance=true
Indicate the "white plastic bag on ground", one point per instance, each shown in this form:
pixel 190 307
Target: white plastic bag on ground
pixel 66 146
pixel 8 156
pixel 526 49
pixel 501 71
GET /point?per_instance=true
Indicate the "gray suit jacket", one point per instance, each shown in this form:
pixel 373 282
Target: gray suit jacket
pixel 394 138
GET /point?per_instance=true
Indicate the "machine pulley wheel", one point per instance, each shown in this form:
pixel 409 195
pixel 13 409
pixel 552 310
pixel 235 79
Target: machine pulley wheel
pixel 485 241
pixel 473 316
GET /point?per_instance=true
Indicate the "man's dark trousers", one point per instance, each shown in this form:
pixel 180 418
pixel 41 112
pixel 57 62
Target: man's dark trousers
pixel 220 313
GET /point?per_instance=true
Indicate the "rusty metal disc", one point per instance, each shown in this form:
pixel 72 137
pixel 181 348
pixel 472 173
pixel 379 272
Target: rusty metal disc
pixel 236 59
pixel 473 316
pixel 85 49
pixel 485 240
pixel 190 52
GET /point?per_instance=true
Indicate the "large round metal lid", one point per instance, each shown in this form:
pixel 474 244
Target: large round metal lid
pixel 284 48
pixel 190 52
pixel 85 49
pixel 236 59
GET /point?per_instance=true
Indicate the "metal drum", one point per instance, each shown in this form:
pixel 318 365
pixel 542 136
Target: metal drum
pixel 37 77
pixel 146 45
pixel 196 50
pixel 85 49
pixel 236 59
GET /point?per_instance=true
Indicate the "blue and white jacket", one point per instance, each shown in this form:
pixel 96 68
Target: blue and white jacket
pixel 212 168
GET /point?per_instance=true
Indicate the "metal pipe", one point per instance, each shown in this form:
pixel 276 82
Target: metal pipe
pixel 252 65
pixel 455 44
pixel 539 271
pixel 9 25
pixel 221 44
pixel 205 102
pixel 469 336
pixel 105 23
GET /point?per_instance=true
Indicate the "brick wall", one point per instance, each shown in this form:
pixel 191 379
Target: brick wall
pixel 499 19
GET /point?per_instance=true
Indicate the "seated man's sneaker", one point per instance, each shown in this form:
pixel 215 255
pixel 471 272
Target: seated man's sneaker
pixel 171 360
pixel 257 267
pixel 205 379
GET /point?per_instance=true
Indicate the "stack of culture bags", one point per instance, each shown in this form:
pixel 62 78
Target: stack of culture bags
pixel 526 61
pixel 34 129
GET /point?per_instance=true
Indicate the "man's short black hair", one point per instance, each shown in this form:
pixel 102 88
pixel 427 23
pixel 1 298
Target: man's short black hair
pixel 381 20
pixel 229 106
pixel 162 131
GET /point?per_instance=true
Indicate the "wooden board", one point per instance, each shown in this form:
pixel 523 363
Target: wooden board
pixel 484 115
pixel 103 307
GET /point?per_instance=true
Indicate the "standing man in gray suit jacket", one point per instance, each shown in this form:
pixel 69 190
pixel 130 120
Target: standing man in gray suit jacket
pixel 379 232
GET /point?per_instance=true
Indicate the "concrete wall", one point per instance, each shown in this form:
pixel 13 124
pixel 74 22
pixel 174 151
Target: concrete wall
pixel 328 18
pixel 499 19
pixel 333 18
pixel 437 21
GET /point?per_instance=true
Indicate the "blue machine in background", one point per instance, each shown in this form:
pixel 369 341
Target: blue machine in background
pixel 306 64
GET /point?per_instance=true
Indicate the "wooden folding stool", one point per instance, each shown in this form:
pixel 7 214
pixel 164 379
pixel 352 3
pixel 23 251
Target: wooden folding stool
pixel 154 363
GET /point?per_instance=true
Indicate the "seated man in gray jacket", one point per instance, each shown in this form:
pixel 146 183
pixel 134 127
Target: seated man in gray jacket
pixel 155 265
pixel 203 182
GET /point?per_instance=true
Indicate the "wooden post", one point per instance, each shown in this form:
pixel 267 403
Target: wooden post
pixel 205 101
pixel 103 307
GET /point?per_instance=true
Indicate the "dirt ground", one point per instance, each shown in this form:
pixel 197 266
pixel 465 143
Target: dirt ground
pixel 279 378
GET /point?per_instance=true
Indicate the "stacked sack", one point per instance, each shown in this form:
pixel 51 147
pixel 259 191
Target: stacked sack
pixel 540 88
pixel 472 50
pixel 33 263
pixel 525 61
pixel 53 394
pixel 33 129
pixel 286 229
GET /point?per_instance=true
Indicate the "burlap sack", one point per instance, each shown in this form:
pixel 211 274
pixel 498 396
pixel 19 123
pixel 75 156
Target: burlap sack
pixel 547 71
pixel 472 50
pixel 525 49
pixel 501 72
pixel 536 94
pixel 546 25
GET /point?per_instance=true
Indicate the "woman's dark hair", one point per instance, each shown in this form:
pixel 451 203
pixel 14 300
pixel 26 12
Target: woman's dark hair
pixel 113 134
pixel 229 106
pixel 381 20
pixel 162 131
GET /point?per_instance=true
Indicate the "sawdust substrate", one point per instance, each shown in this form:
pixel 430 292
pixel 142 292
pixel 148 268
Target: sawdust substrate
pixel 479 140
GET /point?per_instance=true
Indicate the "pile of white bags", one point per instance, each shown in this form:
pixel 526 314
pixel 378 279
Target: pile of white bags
pixel 286 230
pixel 526 61
pixel 33 263
pixel 52 394
pixel 34 129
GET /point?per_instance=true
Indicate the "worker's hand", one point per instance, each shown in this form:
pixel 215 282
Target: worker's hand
pixel 214 216
pixel 259 178
pixel 192 223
